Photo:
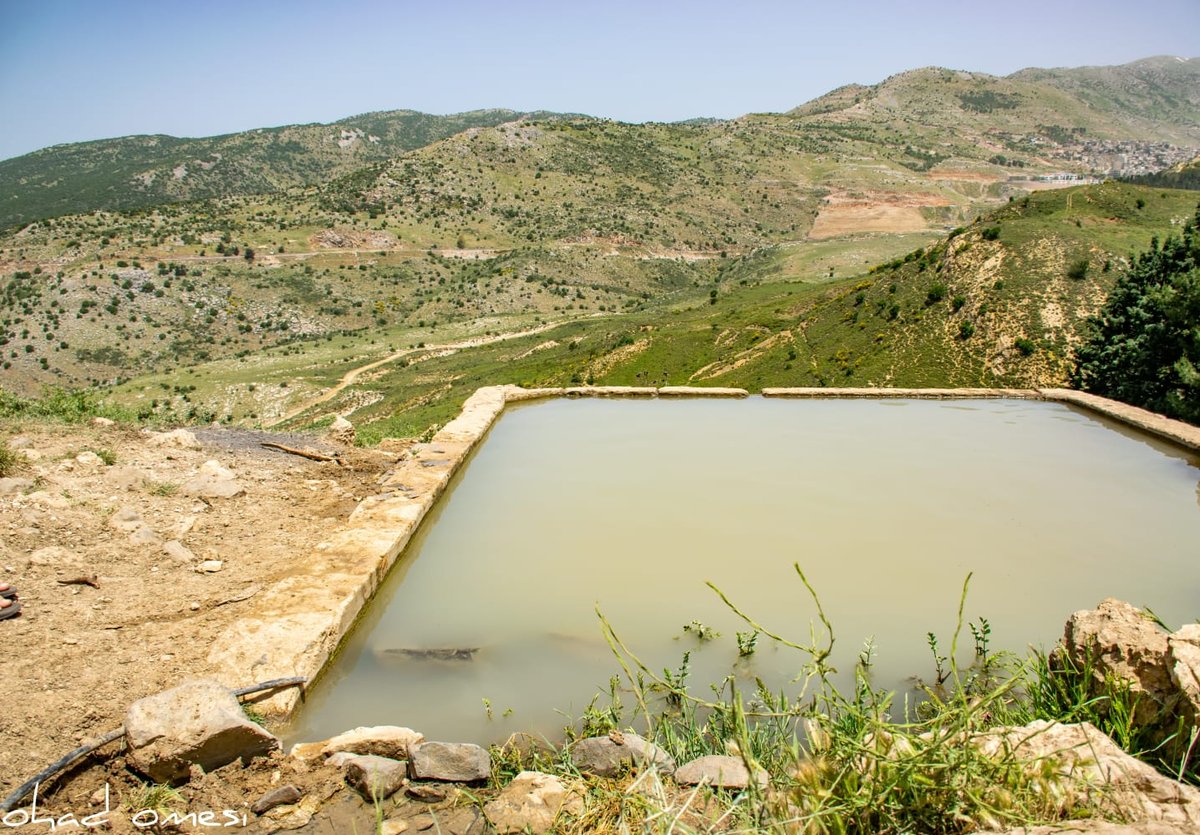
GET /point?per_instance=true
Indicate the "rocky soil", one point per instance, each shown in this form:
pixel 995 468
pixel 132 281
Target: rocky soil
pixel 130 552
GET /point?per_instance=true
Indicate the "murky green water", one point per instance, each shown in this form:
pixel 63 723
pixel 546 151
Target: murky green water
pixel 630 505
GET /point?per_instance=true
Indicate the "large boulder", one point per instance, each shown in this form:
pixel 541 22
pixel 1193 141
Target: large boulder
pixel 1117 640
pixel 608 756
pixel 1090 764
pixel 531 803
pixel 1183 647
pixel 198 723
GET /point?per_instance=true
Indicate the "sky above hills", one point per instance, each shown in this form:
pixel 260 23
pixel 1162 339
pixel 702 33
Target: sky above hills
pixel 73 70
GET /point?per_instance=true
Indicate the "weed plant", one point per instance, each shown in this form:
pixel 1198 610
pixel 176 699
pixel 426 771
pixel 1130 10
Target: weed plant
pixel 847 760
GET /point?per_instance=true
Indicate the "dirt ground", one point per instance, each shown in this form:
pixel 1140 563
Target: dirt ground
pixel 167 570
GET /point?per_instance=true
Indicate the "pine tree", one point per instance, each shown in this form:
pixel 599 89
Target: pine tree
pixel 1145 343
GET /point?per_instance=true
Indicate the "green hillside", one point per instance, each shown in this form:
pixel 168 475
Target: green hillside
pixel 138 171
pixel 999 303
pixel 1162 89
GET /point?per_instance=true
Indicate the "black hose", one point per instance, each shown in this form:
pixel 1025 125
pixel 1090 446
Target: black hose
pixel 58 765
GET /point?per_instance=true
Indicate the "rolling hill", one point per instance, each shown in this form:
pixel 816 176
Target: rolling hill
pixel 138 171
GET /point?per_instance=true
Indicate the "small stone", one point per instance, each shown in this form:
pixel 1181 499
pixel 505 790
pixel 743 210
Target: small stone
pixel 276 797
pixel 194 606
pixel 126 519
pixel 389 741
pixel 394 826
pixel 210 566
pixel 8 486
pixel 608 756
pixel 145 535
pixel 425 793
pixel 178 438
pixel 341 431
pixel 89 459
pixel 200 722
pixel 55 556
pixel 99 796
pixel 456 762
pixel 212 481
pixel 179 552
pixel 339 759
pixel 103 422
pixel 719 771
pixel 124 478
pixel 375 778
pixel 531 803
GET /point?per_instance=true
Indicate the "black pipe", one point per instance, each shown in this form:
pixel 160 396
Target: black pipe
pixel 58 765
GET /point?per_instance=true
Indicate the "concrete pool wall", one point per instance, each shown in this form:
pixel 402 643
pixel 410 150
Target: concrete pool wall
pixel 298 624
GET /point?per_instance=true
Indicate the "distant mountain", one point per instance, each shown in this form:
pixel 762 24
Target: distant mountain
pixel 138 171
pixel 1163 89
pixel 1078 120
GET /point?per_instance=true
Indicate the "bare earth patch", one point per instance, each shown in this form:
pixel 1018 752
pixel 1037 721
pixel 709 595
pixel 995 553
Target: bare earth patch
pixel 844 214
pixel 170 570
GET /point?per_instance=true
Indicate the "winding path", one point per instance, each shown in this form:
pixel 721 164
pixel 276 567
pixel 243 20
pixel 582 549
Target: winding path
pixel 353 374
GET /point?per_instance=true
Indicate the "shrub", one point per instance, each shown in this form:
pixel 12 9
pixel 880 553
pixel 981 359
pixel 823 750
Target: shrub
pixel 1025 346
pixel 936 293
pixel 1078 269
pixel 966 330
pixel 991 233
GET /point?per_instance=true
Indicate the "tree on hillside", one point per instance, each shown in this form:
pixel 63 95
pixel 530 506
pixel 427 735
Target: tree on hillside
pixel 1145 343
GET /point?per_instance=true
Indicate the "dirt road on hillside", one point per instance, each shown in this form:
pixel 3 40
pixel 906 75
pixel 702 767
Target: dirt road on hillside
pixel 353 374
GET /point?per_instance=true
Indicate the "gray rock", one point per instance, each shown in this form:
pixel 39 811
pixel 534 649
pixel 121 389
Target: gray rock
pixel 126 520
pixel 212 481
pixel 145 535
pixel 200 722
pixel 531 803
pixel 124 478
pixel 608 756
pixel 720 771
pixel 277 797
pixel 457 762
pixel 8 486
pixel 375 778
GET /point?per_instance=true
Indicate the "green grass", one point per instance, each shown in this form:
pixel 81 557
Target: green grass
pixel 844 760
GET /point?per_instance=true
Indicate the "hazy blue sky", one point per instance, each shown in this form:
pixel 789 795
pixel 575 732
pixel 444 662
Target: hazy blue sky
pixel 72 70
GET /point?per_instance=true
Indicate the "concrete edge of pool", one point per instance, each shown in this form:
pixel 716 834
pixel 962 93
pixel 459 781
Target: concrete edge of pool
pixel 298 623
